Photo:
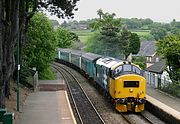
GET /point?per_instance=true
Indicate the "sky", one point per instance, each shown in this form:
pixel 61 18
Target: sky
pixel 157 10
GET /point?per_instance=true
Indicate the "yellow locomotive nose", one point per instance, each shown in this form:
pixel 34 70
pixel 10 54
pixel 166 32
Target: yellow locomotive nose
pixel 131 88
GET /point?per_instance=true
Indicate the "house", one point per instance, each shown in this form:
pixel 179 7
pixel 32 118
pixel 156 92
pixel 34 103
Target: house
pixel 148 50
pixel 156 75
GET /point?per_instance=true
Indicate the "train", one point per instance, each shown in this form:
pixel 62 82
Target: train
pixel 122 81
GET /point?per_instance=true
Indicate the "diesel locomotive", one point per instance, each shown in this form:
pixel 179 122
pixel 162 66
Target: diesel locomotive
pixel 122 81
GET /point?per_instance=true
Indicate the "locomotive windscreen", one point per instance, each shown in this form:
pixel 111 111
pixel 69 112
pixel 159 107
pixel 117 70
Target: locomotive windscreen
pixel 131 83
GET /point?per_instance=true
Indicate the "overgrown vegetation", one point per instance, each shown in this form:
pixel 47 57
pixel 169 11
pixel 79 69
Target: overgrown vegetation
pixel 173 89
pixel 169 48
pixel 41 44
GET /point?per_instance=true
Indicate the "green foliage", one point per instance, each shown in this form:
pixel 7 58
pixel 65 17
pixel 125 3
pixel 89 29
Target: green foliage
pixel 93 44
pixel 135 23
pixel 169 48
pixel 48 75
pixel 65 38
pixel 105 42
pixel 139 61
pixel 175 27
pixel 109 42
pixel 173 89
pixel 106 21
pixel 40 46
pixel 158 33
pixel 129 43
pixel 109 39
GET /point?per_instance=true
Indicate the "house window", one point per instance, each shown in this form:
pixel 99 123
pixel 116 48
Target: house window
pixel 150 59
pixel 157 59
pixel 147 58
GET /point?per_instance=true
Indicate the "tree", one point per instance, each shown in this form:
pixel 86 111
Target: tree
pixel 100 13
pixel 8 33
pixel 41 44
pixel 129 43
pixel 107 20
pixel 15 16
pixel 110 40
pixel 158 33
pixel 169 48
pixel 94 44
pixel 108 27
pixel 175 27
pixel 65 38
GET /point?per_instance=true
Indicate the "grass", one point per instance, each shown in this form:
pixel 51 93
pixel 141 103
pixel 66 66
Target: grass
pixel 83 34
pixel 142 32
pixel 83 39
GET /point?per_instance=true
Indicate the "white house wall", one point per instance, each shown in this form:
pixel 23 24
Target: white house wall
pixel 151 79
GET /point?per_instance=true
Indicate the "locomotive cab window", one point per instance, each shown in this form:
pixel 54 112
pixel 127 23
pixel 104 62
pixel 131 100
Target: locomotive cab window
pixel 136 70
pixel 117 71
pixel 126 67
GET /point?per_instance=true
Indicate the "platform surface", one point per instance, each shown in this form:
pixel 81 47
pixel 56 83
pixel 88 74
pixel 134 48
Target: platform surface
pixel 47 108
pixel 169 100
pixel 164 101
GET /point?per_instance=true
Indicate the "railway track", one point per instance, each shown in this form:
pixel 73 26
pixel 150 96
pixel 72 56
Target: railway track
pixel 86 112
pixel 110 117
pixel 136 119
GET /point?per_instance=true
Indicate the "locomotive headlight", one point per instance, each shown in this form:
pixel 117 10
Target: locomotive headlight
pixel 142 92
pixel 121 101
pixel 141 101
pixel 131 90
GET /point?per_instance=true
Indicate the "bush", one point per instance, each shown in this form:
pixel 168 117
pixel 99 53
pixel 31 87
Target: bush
pixel 139 61
pixel 47 74
pixel 173 89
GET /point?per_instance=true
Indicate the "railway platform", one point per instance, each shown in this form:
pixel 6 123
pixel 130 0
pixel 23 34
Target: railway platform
pixel 47 107
pixel 164 103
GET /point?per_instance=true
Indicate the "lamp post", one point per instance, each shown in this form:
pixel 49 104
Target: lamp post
pixel 18 65
pixel 18 69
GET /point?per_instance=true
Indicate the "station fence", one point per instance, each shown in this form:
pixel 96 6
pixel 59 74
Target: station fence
pixel 163 83
pixel 29 77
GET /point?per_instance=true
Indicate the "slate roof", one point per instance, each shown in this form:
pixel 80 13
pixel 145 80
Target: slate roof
pixel 157 67
pixel 147 48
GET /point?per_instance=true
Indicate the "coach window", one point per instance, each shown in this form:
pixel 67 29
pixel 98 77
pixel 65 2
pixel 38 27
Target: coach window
pixel 126 67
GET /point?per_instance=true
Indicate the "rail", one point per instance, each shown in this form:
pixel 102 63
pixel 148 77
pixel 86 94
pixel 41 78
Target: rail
pixel 78 95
